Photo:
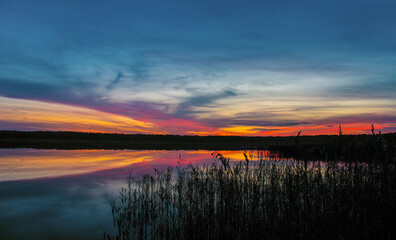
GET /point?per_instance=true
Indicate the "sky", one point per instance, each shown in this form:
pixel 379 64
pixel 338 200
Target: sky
pixel 198 67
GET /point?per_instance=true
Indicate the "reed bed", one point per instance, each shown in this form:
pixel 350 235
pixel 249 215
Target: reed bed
pixel 260 199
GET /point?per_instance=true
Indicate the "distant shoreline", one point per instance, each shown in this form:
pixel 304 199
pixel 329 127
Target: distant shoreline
pixel 81 140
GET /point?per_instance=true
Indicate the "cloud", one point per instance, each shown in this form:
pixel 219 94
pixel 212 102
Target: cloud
pixel 115 81
pixel 186 108
pixel 140 70
pixel 374 118
pixel 372 88
pixel 77 93
pixel 255 120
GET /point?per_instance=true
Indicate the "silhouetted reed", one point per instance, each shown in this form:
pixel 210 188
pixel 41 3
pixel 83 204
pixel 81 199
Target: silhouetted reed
pixel 262 198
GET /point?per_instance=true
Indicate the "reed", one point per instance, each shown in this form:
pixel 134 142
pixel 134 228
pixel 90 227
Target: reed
pixel 262 198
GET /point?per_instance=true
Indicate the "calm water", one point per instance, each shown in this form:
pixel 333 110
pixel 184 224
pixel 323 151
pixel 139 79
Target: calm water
pixel 64 194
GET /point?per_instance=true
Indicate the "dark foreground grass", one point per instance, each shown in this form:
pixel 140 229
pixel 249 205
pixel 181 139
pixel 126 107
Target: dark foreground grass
pixel 260 200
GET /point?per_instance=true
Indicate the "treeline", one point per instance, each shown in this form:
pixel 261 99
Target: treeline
pixel 318 147
pixel 79 140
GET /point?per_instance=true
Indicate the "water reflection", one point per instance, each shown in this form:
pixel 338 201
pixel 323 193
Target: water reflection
pixel 64 194
pixel 29 163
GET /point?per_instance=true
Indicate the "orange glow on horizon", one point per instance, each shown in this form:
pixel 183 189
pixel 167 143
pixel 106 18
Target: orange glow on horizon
pixel 37 115
pixel 60 117
pixel 333 129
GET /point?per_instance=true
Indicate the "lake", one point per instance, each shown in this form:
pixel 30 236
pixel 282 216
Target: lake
pixel 65 194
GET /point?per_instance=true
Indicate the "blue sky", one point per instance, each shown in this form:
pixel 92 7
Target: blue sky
pixel 214 67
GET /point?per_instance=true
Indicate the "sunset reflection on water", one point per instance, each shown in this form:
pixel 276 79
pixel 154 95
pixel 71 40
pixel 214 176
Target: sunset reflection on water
pixel 23 164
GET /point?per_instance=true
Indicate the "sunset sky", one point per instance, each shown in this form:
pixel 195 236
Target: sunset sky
pixel 198 67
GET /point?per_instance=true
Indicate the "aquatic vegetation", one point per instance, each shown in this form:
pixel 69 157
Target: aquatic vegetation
pixel 261 199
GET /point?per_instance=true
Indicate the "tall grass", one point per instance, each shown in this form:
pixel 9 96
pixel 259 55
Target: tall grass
pixel 261 199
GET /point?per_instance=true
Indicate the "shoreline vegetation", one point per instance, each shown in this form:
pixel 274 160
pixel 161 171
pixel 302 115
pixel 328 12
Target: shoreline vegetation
pixel 349 196
pixel 82 140
pixel 86 140
pixel 358 148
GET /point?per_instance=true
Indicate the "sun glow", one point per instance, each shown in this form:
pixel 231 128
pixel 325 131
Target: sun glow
pixel 22 114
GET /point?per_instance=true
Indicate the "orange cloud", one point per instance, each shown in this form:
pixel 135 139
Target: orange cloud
pixel 37 115
pixel 61 117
